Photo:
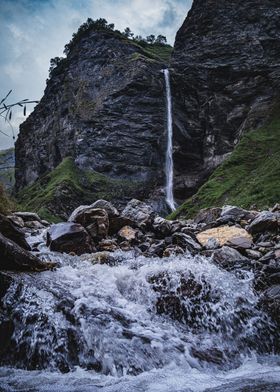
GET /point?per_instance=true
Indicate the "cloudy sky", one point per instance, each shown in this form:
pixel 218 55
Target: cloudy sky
pixel 33 31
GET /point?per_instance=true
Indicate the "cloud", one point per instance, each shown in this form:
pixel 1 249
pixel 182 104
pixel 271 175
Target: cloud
pixel 33 31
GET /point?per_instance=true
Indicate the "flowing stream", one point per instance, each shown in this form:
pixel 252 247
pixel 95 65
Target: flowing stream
pixel 169 148
pixel 178 324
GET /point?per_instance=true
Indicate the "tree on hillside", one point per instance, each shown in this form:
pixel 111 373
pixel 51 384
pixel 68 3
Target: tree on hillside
pixel 128 33
pixel 161 40
pixel 151 39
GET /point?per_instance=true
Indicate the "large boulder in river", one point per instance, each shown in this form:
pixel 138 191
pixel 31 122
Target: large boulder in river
pixel 95 220
pixel 69 238
pixel 13 232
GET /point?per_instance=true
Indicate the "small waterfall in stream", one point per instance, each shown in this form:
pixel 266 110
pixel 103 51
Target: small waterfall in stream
pixel 135 324
pixel 169 149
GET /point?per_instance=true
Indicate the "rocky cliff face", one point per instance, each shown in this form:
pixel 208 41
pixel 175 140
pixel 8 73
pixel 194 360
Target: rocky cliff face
pixel 104 106
pixel 226 77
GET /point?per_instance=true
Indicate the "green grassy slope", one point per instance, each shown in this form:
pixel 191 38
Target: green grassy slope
pixel 250 176
pixel 55 195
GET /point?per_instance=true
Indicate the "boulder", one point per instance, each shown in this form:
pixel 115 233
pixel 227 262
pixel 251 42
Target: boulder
pixel 240 243
pixel 223 234
pixel 229 258
pixel 15 258
pixel 162 227
pixel 10 230
pixel 108 245
pixel 36 225
pixel 212 243
pixel 107 206
pixel 28 216
pixel 95 220
pixel 69 237
pixel 173 250
pixel 186 242
pixel 138 212
pixel 17 220
pixel 234 214
pixel 127 233
pixel 208 215
pixel 266 220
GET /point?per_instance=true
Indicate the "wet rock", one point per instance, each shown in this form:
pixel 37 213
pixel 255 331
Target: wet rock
pixel 127 233
pixel 108 245
pixel 266 220
pixel 162 227
pixel 36 225
pixel 276 208
pixel 223 234
pixel 208 215
pixel 212 243
pixel 234 214
pixel 69 237
pixel 10 230
pixel 157 248
pixel 28 216
pixel 107 206
pixel 229 258
pixel 98 258
pixel 173 250
pixel 173 295
pixel 18 221
pixel 240 243
pixel 140 213
pixel 15 258
pixel 186 242
pixel 253 254
pixel 95 220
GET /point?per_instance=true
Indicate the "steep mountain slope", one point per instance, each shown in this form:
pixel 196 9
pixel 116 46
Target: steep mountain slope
pixel 103 106
pixel 248 178
pixel 226 76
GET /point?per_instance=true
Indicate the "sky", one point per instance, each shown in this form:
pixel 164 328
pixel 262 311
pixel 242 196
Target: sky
pixel 34 31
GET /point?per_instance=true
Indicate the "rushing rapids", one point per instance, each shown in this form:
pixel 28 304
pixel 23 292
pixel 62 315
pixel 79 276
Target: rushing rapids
pixel 169 148
pixel 135 324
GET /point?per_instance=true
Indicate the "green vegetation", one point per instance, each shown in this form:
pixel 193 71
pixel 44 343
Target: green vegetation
pixel 56 194
pixel 154 47
pixel 250 176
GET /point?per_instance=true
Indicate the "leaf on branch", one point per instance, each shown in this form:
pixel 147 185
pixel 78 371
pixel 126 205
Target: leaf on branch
pixel 4 99
pixel 24 110
pixel 10 115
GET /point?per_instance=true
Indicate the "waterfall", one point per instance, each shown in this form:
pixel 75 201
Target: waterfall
pixel 169 153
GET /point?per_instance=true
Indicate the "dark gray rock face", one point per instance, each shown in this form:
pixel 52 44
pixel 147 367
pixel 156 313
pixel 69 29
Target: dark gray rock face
pixel 226 75
pixel 104 106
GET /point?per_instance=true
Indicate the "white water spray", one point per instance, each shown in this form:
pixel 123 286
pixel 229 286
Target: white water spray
pixel 169 153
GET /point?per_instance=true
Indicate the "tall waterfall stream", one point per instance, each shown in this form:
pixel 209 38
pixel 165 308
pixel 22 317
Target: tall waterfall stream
pixel 169 148
pixel 99 327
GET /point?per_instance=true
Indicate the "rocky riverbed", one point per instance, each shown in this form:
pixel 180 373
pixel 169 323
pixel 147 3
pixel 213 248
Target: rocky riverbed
pixel 236 247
